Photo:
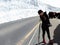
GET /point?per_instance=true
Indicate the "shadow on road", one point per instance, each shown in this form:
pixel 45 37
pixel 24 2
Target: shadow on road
pixel 57 35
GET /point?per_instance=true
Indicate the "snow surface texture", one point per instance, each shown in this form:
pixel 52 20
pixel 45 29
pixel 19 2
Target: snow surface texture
pixel 11 10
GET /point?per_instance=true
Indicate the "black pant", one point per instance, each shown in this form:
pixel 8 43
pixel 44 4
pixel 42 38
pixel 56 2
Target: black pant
pixel 45 28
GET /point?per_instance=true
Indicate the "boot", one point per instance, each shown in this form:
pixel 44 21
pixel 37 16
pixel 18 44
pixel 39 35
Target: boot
pixel 50 41
pixel 44 41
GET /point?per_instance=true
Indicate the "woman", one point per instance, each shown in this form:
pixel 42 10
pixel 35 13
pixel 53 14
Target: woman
pixel 45 25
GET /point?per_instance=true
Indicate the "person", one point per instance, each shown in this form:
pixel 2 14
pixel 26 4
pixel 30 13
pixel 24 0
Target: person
pixel 45 25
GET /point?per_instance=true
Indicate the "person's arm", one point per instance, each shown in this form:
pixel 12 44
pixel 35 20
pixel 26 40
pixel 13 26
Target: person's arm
pixel 47 18
pixel 48 21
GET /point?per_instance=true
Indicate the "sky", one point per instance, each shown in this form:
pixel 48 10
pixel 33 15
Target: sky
pixel 55 3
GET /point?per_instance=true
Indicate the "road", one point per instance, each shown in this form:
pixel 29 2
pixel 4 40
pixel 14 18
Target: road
pixel 23 32
pixel 13 32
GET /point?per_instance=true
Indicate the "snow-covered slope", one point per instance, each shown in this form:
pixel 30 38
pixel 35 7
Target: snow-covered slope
pixel 11 10
pixel 16 9
pixel 48 8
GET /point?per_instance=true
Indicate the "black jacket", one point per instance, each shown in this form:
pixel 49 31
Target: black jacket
pixel 45 19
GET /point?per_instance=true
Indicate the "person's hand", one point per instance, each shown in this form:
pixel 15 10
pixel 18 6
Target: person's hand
pixel 49 25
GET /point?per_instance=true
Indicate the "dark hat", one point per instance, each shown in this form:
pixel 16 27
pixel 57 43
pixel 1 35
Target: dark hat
pixel 39 11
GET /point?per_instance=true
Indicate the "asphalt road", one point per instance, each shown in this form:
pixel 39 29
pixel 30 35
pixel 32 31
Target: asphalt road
pixel 24 31
pixel 12 33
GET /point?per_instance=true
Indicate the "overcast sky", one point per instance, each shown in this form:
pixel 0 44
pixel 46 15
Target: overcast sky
pixel 55 3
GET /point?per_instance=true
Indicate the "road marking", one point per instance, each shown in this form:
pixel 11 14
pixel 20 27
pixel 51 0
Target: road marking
pixel 33 34
pixel 22 41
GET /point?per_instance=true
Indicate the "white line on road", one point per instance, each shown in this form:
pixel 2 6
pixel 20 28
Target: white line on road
pixel 21 41
pixel 33 36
